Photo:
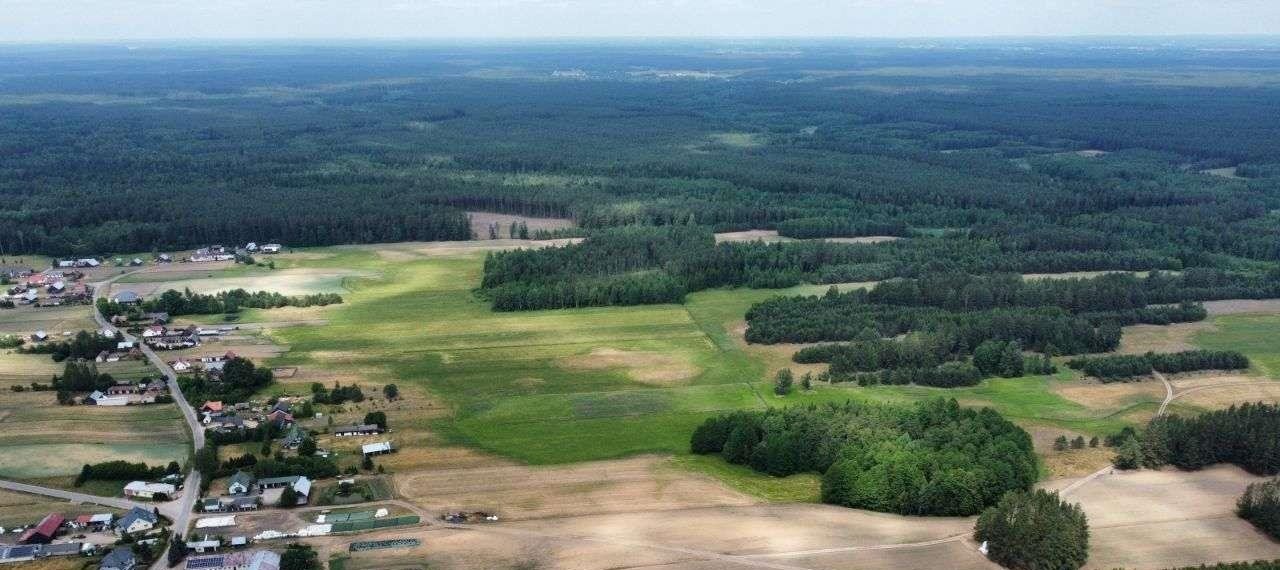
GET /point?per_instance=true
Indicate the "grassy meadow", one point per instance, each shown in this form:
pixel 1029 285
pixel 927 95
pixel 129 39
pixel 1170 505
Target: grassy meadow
pixel 584 384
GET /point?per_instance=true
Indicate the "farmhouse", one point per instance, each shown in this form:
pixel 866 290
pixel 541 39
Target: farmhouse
pixel 301 485
pixel 180 366
pixel 136 520
pixel 362 429
pixel 145 490
pixel 256 560
pixel 120 558
pixel 44 531
pixel 153 331
pixel 127 298
pixel 241 483
pixel 100 399
pixel 376 448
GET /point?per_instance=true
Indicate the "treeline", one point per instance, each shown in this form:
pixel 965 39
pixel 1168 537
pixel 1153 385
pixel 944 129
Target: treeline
pixel 1247 436
pixel 186 302
pixel 124 471
pixel 814 319
pixel 933 458
pixel 1125 366
pixel 84 345
pixel 646 264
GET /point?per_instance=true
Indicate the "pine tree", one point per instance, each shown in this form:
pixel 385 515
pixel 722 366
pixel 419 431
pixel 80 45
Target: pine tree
pixel 1060 444
pixel 783 382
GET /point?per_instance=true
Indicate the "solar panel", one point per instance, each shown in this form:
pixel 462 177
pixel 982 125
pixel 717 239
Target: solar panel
pixel 204 562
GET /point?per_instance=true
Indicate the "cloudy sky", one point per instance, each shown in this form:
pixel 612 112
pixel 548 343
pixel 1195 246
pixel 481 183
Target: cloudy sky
pixel 40 20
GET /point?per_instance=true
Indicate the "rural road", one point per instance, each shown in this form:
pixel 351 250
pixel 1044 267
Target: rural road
pixel 1164 405
pixel 113 502
pixel 179 511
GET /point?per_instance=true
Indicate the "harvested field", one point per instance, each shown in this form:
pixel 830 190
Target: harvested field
pixel 35 430
pixel 1168 518
pixel 651 368
pixel 25 320
pixel 771 236
pixel 1211 392
pixel 1139 339
pixel 522 492
pixel 768 236
pixel 759 530
pixel 862 239
pixel 1095 394
pixel 480 222
pixel 1228 172
pixel 1243 306
pixel 52 460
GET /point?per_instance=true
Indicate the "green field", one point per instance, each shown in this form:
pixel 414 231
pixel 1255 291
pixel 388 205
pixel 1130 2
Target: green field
pixel 1253 335
pixel 40 439
pixel 518 384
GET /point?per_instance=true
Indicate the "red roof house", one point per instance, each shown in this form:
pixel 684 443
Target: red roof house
pixel 211 406
pixel 42 533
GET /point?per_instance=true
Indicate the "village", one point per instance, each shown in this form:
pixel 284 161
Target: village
pixel 132 538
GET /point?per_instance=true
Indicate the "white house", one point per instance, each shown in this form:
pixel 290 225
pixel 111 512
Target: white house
pixel 180 365
pixel 153 331
pixel 145 490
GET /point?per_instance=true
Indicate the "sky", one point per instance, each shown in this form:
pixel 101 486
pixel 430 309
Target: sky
pixel 89 20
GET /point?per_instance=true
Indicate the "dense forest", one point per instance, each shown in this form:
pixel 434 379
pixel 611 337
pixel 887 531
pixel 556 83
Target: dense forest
pixel 1247 435
pixel 933 458
pixel 977 172
pixel 952 329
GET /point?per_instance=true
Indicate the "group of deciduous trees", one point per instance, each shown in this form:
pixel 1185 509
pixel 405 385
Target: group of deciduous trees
pixel 186 302
pixel 934 458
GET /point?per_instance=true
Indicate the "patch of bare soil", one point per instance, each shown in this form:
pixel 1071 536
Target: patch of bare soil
pixel 1139 339
pixel 862 239
pixel 1097 395
pixel 1169 518
pixel 652 368
pixel 480 222
pixel 1242 306
pixel 525 492
pixel 1217 390
pixel 775 356
pixel 751 235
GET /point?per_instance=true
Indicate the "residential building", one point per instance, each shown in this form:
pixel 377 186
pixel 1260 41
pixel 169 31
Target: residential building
pixel 241 483
pixel 136 520
pixel 301 485
pixel 127 298
pixel 120 558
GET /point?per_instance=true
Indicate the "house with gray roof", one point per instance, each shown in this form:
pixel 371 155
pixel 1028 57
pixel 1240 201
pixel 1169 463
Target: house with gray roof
pixel 120 558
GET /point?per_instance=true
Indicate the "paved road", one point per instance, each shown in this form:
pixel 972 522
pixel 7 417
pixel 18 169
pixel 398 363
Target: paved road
pixel 180 510
pixel 114 502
